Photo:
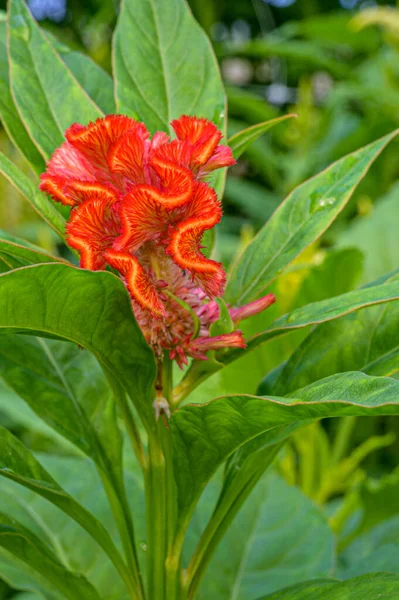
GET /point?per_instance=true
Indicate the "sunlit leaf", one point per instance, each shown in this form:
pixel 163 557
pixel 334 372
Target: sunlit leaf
pixel 298 221
pixel 48 96
pixel 206 435
pixel 176 73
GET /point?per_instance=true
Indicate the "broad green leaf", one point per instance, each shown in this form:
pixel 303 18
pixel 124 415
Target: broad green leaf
pixel 164 65
pixel 30 549
pixel 58 295
pixel 257 557
pixel 312 314
pixel 19 465
pixel 241 140
pixel 364 341
pixel 328 310
pixel 93 79
pixel 375 550
pixel 9 115
pixel 29 189
pixel 384 586
pixel 206 435
pixel 299 220
pixel 20 576
pixel 73 545
pixel 66 388
pixel 17 414
pixel 48 96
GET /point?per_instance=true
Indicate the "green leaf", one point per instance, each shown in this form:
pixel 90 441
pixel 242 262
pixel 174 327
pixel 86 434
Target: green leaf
pixel 66 388
pixel 384 586
pixel 19 541
pixel 256 556
pixel 94 80
pixel 58 295
pixel 17 414
pixel 375 550
pixel 72 544
pixel 241 140
pixel 29 189
pixel 46 109
pixel 300 219
pixel 25 255
pixel 19 465
pixel 328 310
pixel 164 65
pixel 9 115
pixel 364 341
pixel 206 435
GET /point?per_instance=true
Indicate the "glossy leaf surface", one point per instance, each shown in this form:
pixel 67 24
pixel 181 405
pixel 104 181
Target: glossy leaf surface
pixel 300 219
pixel 330 309
pixel 206 435
pixel 364 341
pixel 9 115
pixel 177 72
pixel 57 294
pixel 48 96
pixel 256 557
pixel 66 388
pixel 384 586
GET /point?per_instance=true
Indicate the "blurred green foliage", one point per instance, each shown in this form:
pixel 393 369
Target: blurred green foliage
pixel 339 72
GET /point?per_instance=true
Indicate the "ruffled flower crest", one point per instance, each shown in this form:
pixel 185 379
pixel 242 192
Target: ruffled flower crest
pixel 141 206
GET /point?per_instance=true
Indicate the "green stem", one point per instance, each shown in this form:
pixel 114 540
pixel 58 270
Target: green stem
pixel 156 519
pixel 121 512
pixel 160 490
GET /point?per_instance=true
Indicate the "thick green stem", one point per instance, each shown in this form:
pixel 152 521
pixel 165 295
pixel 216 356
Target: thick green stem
pixel 156 519
pixel 160 492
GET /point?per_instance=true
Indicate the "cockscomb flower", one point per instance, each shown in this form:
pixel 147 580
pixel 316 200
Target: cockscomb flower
pixel 141 206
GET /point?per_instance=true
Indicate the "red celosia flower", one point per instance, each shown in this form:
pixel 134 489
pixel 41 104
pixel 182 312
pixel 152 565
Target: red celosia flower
pixel 140 205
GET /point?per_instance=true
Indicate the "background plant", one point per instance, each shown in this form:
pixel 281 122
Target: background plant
pixel 77 409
